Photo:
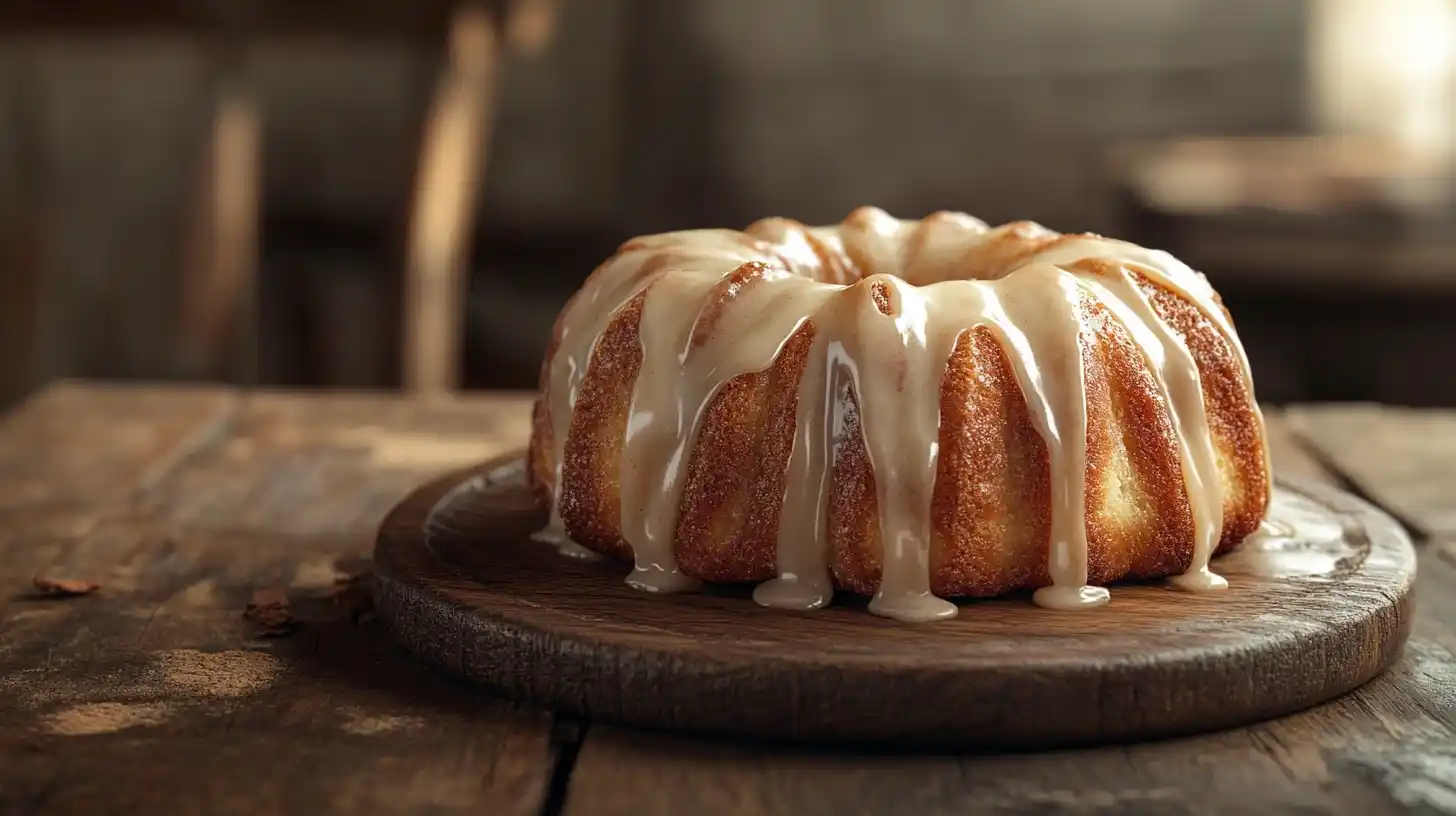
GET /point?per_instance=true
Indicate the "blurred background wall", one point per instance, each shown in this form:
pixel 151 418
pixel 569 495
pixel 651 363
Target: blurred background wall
pixel 1212 128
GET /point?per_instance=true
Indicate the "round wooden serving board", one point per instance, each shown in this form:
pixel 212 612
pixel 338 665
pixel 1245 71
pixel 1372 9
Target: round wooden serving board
pixel 461 584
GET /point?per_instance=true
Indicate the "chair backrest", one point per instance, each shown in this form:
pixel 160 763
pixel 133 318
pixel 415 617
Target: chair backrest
pixel 215 321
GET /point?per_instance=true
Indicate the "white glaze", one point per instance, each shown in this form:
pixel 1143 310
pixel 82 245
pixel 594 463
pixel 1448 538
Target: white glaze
pixel 943 275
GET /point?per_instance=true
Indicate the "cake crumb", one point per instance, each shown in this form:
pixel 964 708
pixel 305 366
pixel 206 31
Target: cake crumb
pixel 63 587
pixel 269 613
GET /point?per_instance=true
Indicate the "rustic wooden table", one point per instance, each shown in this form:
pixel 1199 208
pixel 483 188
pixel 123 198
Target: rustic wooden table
pixel 154 694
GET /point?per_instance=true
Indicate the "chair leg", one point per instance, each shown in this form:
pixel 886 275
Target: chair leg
pixel 220 281
pixel 456 140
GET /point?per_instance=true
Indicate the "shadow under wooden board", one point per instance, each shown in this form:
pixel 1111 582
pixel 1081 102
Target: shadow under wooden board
pixel 1305 619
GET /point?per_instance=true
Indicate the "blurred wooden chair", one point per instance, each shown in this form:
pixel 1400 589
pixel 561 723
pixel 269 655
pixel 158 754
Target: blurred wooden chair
pixel 214 325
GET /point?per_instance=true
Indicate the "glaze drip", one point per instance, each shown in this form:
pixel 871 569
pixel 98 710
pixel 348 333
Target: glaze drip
pixel 886 301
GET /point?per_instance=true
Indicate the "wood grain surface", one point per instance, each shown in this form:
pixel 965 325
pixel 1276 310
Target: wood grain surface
pixel 155 694
pixel 1403 458
pixel 462 585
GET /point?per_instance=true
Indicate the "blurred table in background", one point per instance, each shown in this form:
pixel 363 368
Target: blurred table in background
pixel 1336 256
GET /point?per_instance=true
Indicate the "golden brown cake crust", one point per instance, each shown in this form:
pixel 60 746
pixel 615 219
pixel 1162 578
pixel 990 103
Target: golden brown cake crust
pixel 590 499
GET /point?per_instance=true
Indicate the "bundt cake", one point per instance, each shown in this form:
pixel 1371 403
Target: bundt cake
pixel 907 410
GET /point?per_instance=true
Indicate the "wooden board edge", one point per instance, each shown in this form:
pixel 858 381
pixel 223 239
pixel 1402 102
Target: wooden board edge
pixel 409 616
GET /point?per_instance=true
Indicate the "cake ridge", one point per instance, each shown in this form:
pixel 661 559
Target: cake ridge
pixel 700 327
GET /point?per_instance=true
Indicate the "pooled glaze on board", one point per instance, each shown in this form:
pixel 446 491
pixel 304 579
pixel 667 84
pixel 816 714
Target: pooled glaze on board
pixel 1300 539
pixel 888 299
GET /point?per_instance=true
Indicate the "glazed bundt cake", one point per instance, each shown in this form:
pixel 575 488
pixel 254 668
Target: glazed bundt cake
pixel 907 410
